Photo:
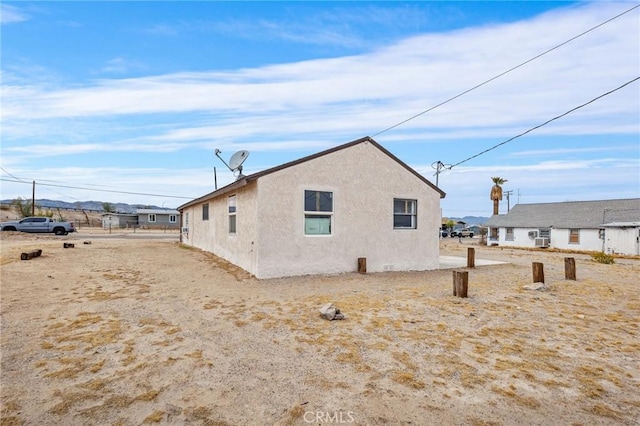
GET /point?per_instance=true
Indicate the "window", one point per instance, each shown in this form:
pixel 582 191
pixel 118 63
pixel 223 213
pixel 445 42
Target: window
pixel 205 211
pixel 172 218
pixel 186 219
pixel 404 213
pixel 574 236
pixel 318 210
pixel 509 235
pixel 152 218
pixel 232 214
pixel 544 233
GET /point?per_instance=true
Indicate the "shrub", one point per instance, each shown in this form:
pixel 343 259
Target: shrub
pixel 603 258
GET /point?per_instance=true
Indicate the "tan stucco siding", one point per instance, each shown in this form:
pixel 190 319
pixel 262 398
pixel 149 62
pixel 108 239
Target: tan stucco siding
pixel 364 182
pixel 213 235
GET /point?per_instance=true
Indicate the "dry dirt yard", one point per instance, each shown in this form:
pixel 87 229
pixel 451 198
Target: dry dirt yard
pixel 142 330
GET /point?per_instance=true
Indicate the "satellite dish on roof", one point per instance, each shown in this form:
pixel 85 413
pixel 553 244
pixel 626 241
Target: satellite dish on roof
pixel 235 163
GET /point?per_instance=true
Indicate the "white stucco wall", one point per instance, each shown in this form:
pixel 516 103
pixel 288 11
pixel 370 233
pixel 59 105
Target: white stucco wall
pixel 589 240
pixel 213 235
pixel 364 181
pixel 622 241
pixel 520 237
pixel 559 238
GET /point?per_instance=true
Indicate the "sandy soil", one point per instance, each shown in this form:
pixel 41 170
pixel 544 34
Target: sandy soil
pixel 132 330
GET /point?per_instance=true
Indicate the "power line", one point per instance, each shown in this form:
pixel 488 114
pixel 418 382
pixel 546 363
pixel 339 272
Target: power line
pixel 100 190
pixel 545 123
pixel 505 72
pixel 17 178
pixel 50 190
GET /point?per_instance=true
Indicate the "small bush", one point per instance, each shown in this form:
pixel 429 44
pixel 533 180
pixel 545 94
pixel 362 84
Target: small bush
pixel 603 258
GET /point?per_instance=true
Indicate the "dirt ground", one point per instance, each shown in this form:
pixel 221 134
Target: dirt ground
pixel 137 329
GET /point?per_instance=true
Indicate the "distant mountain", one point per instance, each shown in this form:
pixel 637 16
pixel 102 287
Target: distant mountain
pixel 87 205
pixel 470 220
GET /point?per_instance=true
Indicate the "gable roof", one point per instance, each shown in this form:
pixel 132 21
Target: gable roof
pixel 246 179
pixel 570 214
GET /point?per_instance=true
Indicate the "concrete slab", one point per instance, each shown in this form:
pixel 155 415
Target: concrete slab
pixel 452 262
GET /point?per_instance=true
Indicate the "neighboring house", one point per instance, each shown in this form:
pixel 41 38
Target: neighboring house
pixel 158 218
pixel 320 214
pixel 119 220
pixel 143 218
pixel 611 226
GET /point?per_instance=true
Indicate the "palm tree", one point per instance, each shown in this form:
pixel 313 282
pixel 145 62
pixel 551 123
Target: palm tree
pixel 496 192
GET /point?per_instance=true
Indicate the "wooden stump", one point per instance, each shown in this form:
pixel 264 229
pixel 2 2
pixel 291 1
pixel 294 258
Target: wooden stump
pixel 68 245
pixel 362 265
pixel 30 254
pixel 569 268
pixel 471 257
pixel 538 272
pixel 460 283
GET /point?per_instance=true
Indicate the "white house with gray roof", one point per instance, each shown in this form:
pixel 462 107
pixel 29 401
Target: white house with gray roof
pixel 320 214
pixel 612 226
pixel 143 218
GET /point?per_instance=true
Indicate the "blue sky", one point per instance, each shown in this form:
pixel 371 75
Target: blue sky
pixel 105 98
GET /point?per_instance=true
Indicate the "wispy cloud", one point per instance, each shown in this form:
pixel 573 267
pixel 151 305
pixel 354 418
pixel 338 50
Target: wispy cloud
pixel 337 26
pixel 121 65
pixel 12 14
pixel 393 82
pixel 564 151
pixel 310 105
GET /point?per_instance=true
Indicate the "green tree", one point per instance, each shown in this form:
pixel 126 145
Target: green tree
pixel 108 208
pixel 496 193
pixel 22 206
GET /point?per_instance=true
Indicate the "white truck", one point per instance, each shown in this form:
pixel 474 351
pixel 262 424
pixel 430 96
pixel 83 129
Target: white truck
pixel 39 224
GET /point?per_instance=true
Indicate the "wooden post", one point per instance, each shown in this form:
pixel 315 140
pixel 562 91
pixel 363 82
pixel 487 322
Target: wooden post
pixel 569 268
pixel 471 257
pixel 538 272
pixel 362 265
pixel 31 254
pixel 460 283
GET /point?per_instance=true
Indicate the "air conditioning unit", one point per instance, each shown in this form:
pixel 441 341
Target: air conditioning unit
pixel 533 234
pixel 185 230
pixel 542 242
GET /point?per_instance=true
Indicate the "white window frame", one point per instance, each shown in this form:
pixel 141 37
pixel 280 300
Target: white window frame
pixel 172 218
pixel 509 236
pixel 576 233
pixel 315 214
pixel 232 207
pixel 152 218
pixel 412 214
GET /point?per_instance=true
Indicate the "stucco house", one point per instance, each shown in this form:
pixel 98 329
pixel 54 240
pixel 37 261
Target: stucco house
pixel 320 214
pixel 144 218
pixel 611 226
pixel 158 218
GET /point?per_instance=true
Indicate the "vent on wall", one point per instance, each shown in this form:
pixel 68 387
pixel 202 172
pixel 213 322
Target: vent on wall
pixel 533 234
pixel 542 242
pixel 185 230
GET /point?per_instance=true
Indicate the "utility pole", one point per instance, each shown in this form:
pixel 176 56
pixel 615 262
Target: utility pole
pixel 507 194
pixel 33 199
pixel 439 165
